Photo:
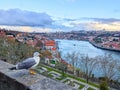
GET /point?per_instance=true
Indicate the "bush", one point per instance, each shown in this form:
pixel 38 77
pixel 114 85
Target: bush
pixel 14 52
pixel 103 85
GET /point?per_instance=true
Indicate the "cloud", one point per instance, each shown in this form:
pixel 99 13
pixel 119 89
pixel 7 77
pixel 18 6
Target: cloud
pixel 16 19
pixel 104 20
pixel 19 17
pixel 110 24
pixel 85 23
pixel 21 20
pixel 74 24
pixel 28 28
pixel 68 19
pixel 109 27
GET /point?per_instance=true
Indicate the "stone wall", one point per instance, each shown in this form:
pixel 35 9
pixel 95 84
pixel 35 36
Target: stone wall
pixel 7 83
pixel 22 80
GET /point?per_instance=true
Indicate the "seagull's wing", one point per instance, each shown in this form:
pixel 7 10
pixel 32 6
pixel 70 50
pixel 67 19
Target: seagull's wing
pixel 27 63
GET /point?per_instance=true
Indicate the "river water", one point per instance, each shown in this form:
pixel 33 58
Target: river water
pixel 84 47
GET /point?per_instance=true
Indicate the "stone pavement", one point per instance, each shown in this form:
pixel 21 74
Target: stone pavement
pixel 86 85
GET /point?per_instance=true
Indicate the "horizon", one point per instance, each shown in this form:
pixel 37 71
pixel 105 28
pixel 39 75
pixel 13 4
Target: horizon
pixel 57 15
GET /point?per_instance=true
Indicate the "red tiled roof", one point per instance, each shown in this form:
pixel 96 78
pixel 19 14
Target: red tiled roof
pixel 50 43
pixel 53 49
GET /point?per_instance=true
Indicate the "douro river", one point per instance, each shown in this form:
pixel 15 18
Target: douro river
pixel 84 47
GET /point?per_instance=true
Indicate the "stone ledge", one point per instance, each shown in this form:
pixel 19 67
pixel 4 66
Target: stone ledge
pixel 22 80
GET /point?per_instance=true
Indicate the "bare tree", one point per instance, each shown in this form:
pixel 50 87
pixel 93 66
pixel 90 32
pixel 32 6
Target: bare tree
pixel 118 70
pixel 108 66
pixel 61 66
pixel 117 81
pixel 88 65
pixel 72 58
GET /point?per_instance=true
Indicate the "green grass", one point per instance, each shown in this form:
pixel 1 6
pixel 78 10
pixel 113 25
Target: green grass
pixel 90 88
pixel 81 86
pixel 50 68
pixel 93 84
pixel 66 80
pixel 50 76
pixel 60 78
pixel 79 79
pixel 70 76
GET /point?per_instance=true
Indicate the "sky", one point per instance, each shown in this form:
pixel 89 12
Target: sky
pixel 60 15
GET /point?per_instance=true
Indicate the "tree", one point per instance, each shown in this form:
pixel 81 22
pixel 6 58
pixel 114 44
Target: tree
pixel 88 65
pixel 78 72
pixel 61 66
pixel 13 51
pixel 108 66
pixel 39 44
pixel 103 85
pixel 46 53
pixel 118 70
pixel 72 58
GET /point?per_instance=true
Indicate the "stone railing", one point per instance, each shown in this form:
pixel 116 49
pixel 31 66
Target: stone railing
pixel 22 80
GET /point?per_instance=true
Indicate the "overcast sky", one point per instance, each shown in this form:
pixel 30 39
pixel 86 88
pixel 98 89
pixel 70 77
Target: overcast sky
pixel 60 15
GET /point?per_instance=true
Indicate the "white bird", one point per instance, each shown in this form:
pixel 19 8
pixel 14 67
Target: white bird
pixel 29 63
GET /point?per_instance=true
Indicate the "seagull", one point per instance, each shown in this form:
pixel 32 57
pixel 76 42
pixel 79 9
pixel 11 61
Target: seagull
pixel 29 63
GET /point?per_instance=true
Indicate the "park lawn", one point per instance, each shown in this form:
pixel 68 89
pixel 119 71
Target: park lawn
pixel 90 88
pixel 68 75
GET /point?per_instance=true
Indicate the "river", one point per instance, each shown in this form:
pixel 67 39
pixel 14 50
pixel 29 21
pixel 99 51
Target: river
pixel 84 47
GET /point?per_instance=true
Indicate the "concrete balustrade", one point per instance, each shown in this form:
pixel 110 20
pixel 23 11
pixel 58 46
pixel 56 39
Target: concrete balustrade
pixel 22 80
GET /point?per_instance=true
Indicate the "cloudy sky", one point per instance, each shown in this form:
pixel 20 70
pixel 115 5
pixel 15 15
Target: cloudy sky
pixel 60 15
